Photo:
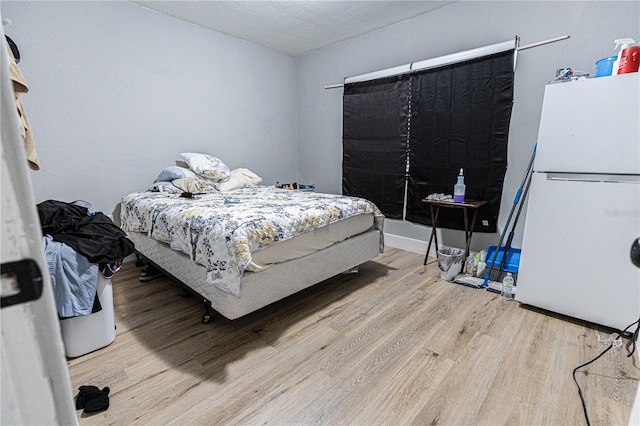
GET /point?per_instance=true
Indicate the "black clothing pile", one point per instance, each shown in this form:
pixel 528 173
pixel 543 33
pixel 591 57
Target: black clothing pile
pixel 94 236
pixel 91 399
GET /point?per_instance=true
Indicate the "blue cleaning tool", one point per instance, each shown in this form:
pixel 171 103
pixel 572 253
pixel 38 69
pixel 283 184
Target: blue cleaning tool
pixel 516 201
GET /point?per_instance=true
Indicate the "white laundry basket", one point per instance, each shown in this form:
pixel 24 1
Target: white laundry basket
pixel 88 333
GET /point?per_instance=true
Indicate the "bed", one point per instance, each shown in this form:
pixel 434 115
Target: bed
pixel 243 249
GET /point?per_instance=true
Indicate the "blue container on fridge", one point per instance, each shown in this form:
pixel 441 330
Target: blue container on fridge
pixel 604 66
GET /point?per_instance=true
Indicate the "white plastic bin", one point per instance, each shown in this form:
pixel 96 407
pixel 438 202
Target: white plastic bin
pixel 88 333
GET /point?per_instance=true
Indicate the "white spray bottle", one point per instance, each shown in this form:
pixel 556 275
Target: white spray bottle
pixel 624 42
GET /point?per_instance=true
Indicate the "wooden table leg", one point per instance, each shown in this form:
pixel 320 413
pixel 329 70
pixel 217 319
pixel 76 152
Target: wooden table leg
pixel 466 232
pixel 434 218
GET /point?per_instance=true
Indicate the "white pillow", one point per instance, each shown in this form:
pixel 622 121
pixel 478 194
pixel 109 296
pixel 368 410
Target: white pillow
pixel 240 178
pixel 164 187
pixel 174 172
pixel 207 166
pixel 193 184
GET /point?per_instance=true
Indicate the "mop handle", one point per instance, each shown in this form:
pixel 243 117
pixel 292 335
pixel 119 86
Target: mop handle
pixel 507 245
pixel 522 194
pixel 526 190
pixel 526 181
pixel 516 199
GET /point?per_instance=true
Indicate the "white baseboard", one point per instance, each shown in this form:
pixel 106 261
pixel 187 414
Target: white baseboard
pixel 408 244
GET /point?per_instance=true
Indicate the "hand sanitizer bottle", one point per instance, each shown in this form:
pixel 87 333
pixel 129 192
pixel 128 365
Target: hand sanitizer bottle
pixel 459 188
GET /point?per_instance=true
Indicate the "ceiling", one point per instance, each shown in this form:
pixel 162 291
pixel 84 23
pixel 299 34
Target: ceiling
pixel 293 27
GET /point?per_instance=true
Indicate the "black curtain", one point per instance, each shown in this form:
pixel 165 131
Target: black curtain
pixel 460 118
pixel 375 117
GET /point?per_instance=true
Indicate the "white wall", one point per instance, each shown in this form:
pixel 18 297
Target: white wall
pixel 118 91
pixel 458 26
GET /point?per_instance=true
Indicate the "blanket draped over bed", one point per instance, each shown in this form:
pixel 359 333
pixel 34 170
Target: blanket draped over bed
pixel 221 230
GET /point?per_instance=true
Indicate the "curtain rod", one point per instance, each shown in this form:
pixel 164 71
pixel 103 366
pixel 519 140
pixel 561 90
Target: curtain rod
pixel 528 46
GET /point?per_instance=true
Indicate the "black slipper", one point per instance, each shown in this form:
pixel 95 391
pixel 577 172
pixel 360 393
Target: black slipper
pixel 100 403
pixel 86 393
pixel 92 399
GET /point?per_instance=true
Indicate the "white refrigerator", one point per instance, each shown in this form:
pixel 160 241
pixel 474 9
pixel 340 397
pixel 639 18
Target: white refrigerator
pixel 584 203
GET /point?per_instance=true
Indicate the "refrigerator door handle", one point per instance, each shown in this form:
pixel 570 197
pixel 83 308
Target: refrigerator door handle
pixel 592 177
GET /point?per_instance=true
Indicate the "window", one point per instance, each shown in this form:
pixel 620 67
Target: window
pixel 419 129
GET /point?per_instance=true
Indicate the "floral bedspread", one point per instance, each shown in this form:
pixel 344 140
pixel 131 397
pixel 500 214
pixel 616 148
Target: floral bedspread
pixel 220 230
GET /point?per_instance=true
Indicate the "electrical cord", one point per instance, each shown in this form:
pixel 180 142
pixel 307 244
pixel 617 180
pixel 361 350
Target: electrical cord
pixel 631 343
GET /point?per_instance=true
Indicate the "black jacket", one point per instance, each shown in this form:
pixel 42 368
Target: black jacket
pixel 94 236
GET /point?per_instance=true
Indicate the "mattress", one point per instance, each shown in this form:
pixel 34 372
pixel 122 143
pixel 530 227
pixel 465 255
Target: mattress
pixel 310 242
pixel 264 288
pixel 223 231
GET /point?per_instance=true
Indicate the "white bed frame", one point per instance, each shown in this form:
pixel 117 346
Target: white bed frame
pixel 260 289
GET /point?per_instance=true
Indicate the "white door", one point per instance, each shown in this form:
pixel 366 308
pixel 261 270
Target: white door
pixel 35 387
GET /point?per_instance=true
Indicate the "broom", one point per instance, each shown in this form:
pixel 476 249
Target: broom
pixel 498 274
pixel 516 201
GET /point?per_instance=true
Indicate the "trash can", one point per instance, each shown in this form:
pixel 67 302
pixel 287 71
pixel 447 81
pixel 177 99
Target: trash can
pixel 87 333
pixel 450 262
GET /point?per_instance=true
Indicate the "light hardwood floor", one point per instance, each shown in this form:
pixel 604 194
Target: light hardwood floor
pixel 392 344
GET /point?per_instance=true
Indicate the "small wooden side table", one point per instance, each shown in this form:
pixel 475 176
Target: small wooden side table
pixel 434 207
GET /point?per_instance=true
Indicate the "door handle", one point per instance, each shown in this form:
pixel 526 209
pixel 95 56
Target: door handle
pixel 635 252
pixel 21 282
